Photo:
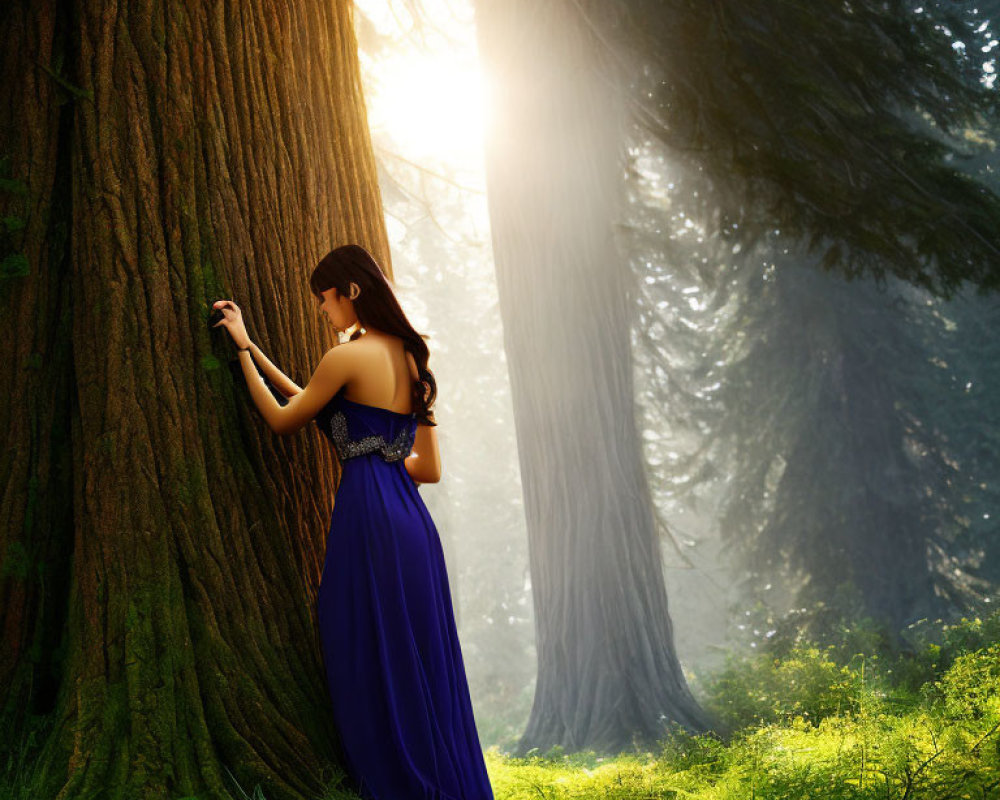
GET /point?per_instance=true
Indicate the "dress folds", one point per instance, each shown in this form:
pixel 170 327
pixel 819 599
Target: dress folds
pixel 393 661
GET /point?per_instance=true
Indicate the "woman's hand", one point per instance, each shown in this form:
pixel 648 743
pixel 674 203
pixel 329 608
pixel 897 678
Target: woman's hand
pixel 233 322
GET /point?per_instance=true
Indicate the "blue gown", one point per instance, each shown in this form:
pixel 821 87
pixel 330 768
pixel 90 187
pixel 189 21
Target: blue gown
pixel 393 662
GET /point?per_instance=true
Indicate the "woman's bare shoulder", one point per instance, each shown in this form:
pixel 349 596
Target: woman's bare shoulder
pixel 373 350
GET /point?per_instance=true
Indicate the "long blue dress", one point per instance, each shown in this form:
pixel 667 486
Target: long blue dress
pixel 394 666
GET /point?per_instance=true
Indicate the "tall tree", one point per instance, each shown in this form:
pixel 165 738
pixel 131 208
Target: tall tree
pixel 607 669
pixel 160 547
pixel 842 468
pixel 809 409
pixel 838 486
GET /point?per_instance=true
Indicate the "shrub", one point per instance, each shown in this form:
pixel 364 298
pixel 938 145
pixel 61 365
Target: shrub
pixel 762 689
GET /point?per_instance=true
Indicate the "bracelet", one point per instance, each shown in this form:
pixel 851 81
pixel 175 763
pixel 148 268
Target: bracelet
pixel 242 349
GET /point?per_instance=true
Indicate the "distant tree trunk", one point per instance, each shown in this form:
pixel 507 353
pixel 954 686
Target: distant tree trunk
pixel 171 155
pixel 837 477
pixel 608 674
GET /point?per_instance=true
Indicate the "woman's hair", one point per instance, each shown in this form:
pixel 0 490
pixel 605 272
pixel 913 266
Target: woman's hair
pixel 377 307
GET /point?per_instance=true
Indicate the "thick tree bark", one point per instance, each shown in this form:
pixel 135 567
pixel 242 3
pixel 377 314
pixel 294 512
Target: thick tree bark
pixel 207 151
pixel 608 674
pixel 35 382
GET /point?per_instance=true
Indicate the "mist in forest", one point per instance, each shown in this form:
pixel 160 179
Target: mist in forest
pixel 772 398
pixel 433 186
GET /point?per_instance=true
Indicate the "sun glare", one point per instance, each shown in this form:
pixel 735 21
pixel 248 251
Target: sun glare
pixel 431 99
pixel 437 105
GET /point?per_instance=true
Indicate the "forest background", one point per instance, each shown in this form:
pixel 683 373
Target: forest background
pixel 708 304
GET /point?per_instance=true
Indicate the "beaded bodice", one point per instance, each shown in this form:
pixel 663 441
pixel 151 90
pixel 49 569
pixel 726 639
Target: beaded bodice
pixel 357 429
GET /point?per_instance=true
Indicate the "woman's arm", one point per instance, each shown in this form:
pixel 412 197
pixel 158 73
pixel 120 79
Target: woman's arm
pixel 279 379
pixel 424 462
pixel 334 370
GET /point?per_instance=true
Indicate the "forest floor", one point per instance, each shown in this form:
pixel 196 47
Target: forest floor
pixel 845 714
pixel 855 718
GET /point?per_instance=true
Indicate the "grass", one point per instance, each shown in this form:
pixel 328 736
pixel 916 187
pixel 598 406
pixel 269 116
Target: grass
pixel 812 721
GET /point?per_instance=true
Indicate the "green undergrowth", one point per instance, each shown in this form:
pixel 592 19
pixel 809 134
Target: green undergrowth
pixel 843 719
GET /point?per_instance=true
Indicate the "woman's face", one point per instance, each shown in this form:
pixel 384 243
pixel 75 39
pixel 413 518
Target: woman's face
pixel 339 310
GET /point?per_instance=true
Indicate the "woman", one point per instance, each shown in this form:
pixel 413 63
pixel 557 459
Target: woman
pixel 394 666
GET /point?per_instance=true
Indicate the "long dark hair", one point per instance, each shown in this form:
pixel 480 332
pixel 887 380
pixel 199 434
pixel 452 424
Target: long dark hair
pixel 377 307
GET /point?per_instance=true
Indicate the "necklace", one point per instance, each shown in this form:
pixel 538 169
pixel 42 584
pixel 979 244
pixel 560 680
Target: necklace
pixel 345 335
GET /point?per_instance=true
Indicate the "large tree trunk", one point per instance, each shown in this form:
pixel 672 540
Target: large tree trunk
pixel 608 674
pixel 36 381
pixel 207 151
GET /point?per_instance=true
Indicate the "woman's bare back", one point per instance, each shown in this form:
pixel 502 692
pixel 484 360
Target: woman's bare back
pixel 386 378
